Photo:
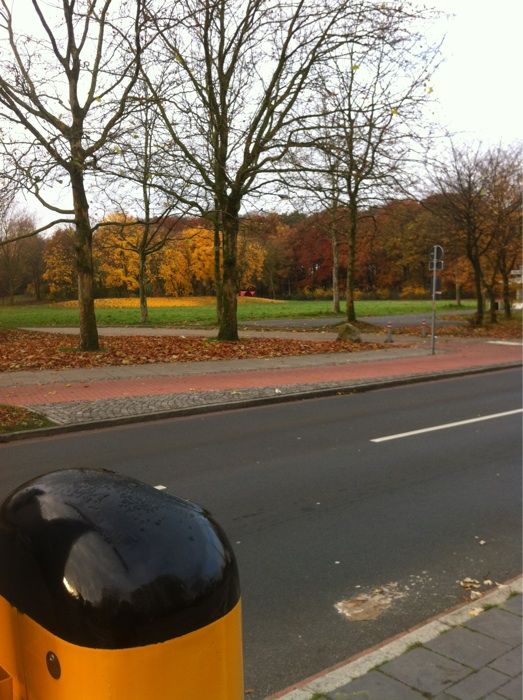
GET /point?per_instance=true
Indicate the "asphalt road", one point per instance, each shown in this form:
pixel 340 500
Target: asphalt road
pixel 318 513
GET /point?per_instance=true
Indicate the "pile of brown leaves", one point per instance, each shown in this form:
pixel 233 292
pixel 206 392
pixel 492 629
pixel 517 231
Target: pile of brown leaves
pixel 500 331
pixel 24 350
pixel 490 330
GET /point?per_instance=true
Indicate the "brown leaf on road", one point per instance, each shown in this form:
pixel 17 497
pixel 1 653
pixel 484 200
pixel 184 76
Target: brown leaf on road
pixel 469 584
pixel 472 587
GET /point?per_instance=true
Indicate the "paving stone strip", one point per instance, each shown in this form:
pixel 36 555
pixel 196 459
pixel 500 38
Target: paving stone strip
pixel 69 413
pixel 472 653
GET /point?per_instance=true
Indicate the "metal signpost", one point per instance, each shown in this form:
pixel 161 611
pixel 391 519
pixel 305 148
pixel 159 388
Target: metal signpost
pixel 435 264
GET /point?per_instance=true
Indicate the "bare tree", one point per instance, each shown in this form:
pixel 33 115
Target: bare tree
pixel 14 254
pixel 461 183
pixel 242 75
pixel 371 122
pixel 315 183
pixel 149 214
pixel 63 90
pixel 503 181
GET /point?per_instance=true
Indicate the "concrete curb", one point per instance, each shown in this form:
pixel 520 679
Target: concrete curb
pixel 345 672
pixel 299 395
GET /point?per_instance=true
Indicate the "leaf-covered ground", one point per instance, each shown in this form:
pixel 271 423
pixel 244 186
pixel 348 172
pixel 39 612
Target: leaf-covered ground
pixel 24 350
pixel 502 330
pixel 13 418
pixel 163 302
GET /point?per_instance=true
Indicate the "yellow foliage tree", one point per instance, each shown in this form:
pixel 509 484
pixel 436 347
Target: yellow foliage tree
pixel 251 260
pixel 200 243
pixel 174 270
pixel 187 264
pixel 60 263
pixel 114 252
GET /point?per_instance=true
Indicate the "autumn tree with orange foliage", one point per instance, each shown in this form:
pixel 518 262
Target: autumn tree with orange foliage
pixel 272 239
pixel 115 253
pixel 313 253
pixel 124 248
pixel 187 262
pixel 60 263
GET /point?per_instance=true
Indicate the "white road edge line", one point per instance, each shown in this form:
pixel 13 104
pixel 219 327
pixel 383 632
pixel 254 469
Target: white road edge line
pixel 447 425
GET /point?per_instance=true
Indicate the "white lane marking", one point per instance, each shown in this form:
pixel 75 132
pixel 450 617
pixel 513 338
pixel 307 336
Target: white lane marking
pixel 504 342
pixel 160 487
pixel 447 425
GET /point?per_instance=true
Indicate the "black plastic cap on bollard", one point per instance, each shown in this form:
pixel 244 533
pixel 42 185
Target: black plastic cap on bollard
pixel 105 561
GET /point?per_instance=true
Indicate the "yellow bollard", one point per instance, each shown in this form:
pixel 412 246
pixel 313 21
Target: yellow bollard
pixel 6 685
pixel 112 590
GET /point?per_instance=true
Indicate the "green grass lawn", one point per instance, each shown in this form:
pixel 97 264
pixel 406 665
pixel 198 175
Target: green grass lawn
pixel 54 315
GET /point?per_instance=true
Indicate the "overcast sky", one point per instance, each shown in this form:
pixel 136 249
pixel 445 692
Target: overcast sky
pixel 479 85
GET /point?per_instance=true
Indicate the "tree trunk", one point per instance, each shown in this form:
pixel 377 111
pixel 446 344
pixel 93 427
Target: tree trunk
pixel 458 293
pixel 37 286
pixel 351 263
pixel 83 241
pixel 507 307
pixel 228 320
pixel 218 271
pixel 335 273
pixel 480 309
pixel 271 285
pixel 142 282
pixel 492 305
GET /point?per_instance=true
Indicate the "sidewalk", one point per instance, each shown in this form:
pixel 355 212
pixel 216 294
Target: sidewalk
pixel 471 653
pixel 77 398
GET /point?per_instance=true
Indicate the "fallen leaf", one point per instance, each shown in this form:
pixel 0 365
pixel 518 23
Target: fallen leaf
pixel 29 350
pixel 469 583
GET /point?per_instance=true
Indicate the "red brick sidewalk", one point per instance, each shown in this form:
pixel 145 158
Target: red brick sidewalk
pixel 451 356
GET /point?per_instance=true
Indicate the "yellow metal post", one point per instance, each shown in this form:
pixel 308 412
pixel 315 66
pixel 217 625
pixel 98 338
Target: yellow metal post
pixel 6 685
pixel 141 596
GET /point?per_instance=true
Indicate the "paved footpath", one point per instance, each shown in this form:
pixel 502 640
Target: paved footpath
pixel 472 653
pixel 104 395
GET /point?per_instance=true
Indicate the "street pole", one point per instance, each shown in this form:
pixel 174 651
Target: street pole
pixel 433 325
pixel 435 264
